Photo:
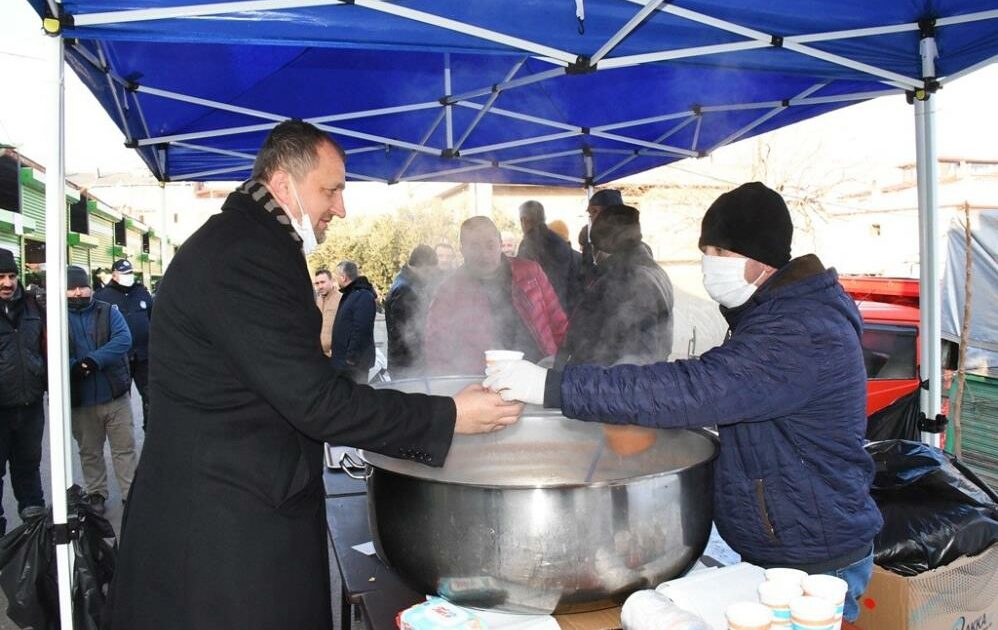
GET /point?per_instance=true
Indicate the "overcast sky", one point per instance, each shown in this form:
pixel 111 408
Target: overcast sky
pixel 885 127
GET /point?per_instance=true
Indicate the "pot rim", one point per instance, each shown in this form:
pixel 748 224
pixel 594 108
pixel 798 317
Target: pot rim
pixel 710 436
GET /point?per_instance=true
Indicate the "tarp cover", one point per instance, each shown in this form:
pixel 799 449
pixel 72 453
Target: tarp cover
pixel 982 349
pixel 253 63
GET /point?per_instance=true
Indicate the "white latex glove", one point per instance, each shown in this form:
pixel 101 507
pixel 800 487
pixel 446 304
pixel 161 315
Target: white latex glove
pixel 517 380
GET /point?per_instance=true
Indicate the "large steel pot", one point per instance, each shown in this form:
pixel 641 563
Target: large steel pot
pixel 509 522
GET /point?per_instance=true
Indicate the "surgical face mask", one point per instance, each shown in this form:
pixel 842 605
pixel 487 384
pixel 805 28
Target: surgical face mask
pixel 724 279
pixel 303 226
pixel 126 279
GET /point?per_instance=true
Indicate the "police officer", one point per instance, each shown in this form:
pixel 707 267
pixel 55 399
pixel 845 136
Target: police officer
pixel 135 303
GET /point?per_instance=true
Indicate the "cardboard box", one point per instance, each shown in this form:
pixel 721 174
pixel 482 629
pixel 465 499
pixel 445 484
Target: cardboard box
pixel 960 596
pixel 608 619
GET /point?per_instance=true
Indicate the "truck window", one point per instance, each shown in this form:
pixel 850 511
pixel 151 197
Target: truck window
pixel 889 352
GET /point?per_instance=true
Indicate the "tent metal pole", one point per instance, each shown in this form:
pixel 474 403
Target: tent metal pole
pixel 57 322
pixel 117 101
pixel 643 121
pixel 466 29
pixel 966 71
pixel 520 143
pixel 199 135
pixel 533 171
pixel 379 139
pixel 854 33
pixel 930 307
pixel 164 225
pixel 195 10
pixel 182 177
pixel 449 118
pixel 204 149
pixel 758 121
pixel 537 158
pixel 498 111
pixel 366 178
pixel 839 98
pixel 644 152
pixel 682 53
pixel 451 171
pixel 488 105
pixel 412 154
pixel 696 134
pixel 145 127
pixel 508 84
pixel 969 17
pixel 625 30
pixel 587 159
pixel 642 143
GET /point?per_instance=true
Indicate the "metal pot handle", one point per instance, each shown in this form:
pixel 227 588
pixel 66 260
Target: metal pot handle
pixel 347 462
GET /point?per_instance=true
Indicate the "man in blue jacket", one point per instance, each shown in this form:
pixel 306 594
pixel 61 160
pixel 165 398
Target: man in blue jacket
pixel 134 302
pixel 353 328
pixel 787 391
pixel 99 343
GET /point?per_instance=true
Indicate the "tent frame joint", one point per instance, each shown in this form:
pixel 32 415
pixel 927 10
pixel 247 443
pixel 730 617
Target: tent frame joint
pixel 132 144
pixel 65 533
pixel 130 84
pixel 581 65
pixel 932 85
pixel 926 28
pixel 776 41
pixel 450 154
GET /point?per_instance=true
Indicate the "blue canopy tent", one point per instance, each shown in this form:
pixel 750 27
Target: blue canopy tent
pixel 535 91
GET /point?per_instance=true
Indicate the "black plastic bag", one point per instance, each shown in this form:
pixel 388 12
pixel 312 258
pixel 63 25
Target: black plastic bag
pixel 896 421
pixel 935 509
pixel 28 571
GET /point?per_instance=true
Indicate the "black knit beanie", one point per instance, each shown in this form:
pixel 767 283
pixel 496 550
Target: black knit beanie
pixel 616 228
pixel 77 277
pixel 7 263
pixel 751 220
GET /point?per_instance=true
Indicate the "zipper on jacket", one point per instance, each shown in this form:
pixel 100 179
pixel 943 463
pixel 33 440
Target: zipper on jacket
pixel 767 523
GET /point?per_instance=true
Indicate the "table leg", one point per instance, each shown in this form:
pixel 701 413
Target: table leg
pixel 346 610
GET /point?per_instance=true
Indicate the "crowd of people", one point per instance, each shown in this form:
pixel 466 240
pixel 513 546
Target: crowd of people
pixel 247 370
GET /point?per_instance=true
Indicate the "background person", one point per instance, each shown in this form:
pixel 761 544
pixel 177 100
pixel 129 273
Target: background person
pixel 550 251
pixel 353 329
pixel 405 312
pixel 327 299
pixel 133 301
pixel 787 391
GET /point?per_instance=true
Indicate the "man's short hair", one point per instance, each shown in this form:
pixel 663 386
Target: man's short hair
pixel 423 256
pixel 349 269
pixel 292 146
pixel 479 224
pixel 324 272
pixel 533 212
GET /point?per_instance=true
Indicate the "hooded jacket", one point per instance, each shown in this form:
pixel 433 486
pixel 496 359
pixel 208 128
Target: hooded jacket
pixel 353 328
pixel 787 392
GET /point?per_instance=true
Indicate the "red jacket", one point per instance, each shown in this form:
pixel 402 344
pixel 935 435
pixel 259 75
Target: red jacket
pixel 459 322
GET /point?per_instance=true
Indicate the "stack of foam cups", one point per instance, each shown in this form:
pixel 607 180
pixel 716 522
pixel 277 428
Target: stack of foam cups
pixel 747 616
pixel 830 589
pixel 813 613
pixel 776 596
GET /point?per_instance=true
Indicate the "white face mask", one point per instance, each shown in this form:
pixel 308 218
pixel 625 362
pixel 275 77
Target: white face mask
pixel 126 279
pixel 303 226
pixel 724 279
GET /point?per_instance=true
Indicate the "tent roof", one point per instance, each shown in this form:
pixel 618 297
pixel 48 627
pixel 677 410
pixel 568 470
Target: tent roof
pixel 493 90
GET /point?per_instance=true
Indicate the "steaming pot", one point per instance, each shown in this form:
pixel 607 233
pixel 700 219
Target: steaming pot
pixel 509 522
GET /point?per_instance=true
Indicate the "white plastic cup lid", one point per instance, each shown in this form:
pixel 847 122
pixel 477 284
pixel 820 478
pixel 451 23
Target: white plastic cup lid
pixel 808 608
pixel 748 615
pixel 826 587
pixel 779 593
pixel 785 575
pixel 502 355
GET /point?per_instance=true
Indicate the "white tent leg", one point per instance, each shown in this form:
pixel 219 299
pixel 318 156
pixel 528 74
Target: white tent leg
pixel 164 225
pixel 57 323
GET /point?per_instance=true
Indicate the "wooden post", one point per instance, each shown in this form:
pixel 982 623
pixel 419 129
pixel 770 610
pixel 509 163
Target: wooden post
pixel 961 373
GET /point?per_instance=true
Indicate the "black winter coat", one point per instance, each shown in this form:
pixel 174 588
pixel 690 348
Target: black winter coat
pixel 225 526
pixel 625 316
pixel 22 351
pixel 353 328
pixel 135 303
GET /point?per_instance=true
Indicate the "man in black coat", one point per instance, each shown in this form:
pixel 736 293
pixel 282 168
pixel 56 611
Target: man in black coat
pixel 353 328
pixel 405 312
pixel 625 316
pixel 225 527
pixel 22 386
pixel 600 200
pixel 550 251
pixel 135 303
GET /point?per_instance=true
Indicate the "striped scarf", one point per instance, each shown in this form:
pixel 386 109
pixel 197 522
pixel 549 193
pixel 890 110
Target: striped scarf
pixel 259 193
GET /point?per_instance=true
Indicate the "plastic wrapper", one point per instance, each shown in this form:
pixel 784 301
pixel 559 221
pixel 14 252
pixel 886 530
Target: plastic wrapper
pixel 436 613
pixel 935 509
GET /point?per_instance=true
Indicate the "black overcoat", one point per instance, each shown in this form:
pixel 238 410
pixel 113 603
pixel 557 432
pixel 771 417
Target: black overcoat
pixel 225 526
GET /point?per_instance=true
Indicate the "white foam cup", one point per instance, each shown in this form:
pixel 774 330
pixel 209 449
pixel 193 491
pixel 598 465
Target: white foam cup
pixel 829 588
pixel 776 596
pixel 499 356
pixel 795 576
pixel 748 616
pixel 812 613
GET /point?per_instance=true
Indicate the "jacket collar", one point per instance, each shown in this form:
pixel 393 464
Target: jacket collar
pixel 787 278
pixel 255 193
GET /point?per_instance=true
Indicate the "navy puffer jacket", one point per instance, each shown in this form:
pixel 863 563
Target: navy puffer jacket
pixel 787 391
